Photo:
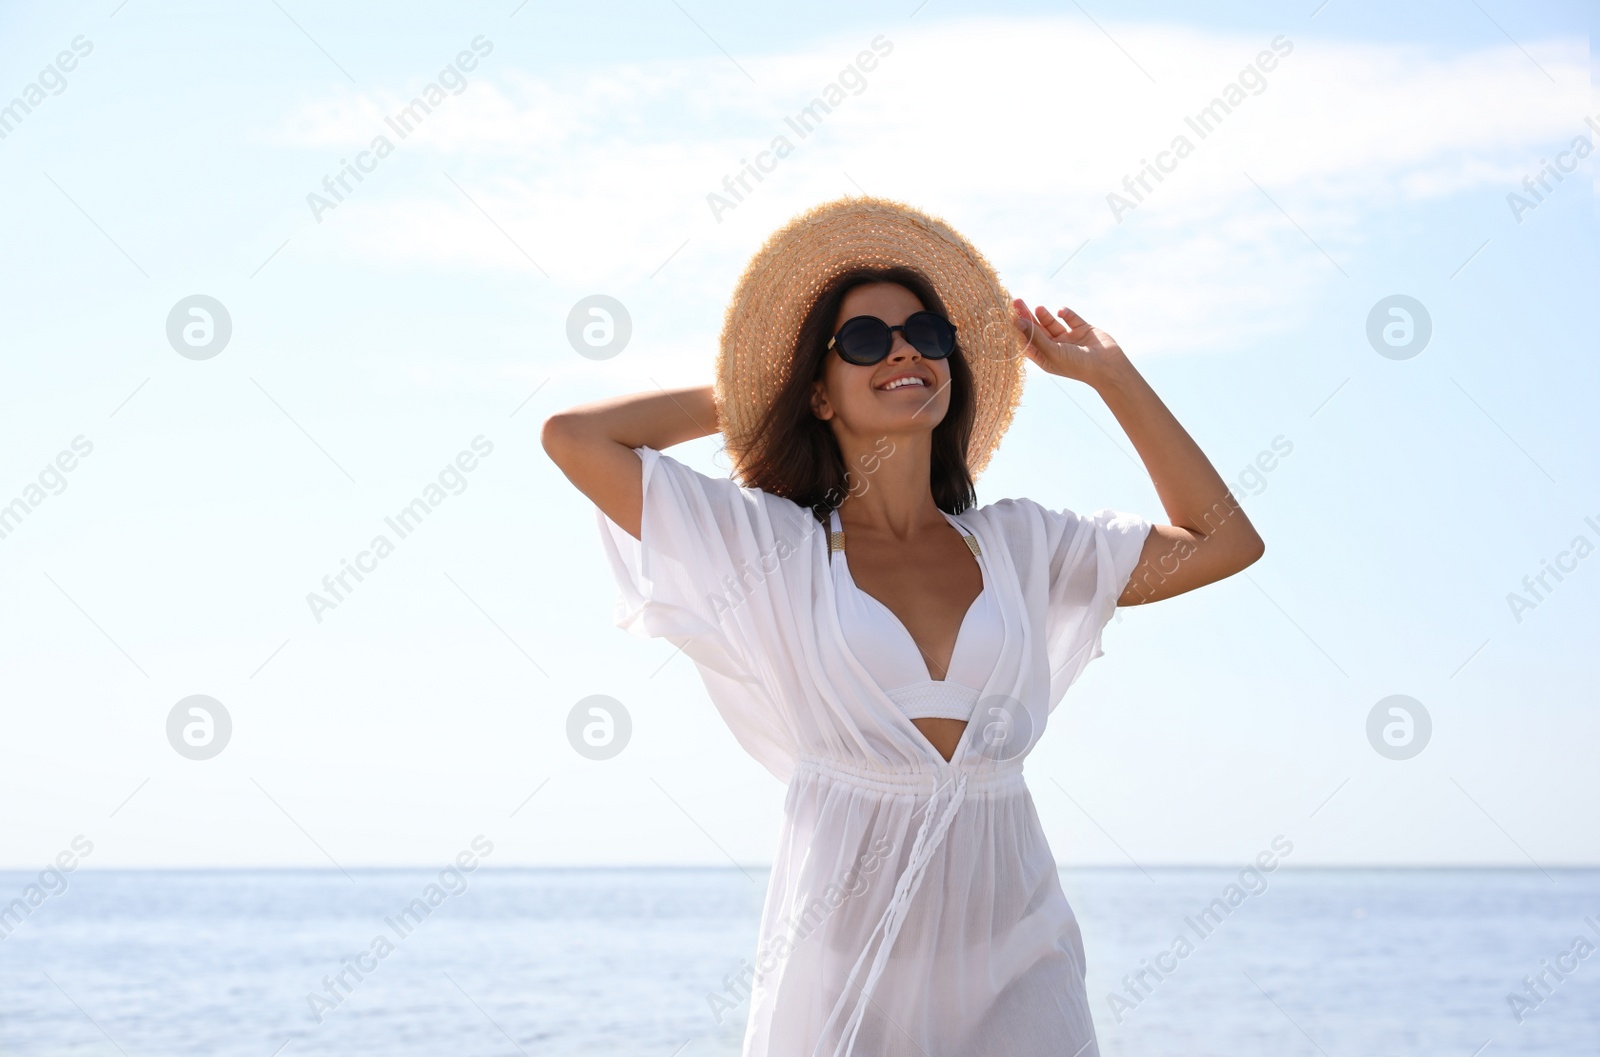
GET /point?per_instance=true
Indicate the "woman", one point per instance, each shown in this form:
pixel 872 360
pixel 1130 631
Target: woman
pixel 870 362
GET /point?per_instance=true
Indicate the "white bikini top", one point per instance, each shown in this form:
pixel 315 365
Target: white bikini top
pixel 890 655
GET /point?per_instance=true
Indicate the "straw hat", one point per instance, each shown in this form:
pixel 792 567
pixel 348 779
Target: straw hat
pixel 795 264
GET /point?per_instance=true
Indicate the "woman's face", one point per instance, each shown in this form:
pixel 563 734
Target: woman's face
pixel 856 395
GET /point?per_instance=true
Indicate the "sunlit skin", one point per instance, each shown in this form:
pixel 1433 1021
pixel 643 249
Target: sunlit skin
pixel 900 548
pixel 904 553
pixel 907 555
pixel 895 536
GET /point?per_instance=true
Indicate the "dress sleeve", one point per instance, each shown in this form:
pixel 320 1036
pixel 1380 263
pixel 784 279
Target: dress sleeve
pixel 704 544
pixel 1091 557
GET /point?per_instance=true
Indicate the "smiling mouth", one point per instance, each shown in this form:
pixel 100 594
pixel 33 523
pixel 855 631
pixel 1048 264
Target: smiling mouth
pixel 903 383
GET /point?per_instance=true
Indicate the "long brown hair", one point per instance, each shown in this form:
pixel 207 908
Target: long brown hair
pixel 794 454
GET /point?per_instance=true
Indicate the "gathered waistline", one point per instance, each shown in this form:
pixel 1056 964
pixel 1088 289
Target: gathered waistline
pixel 984 776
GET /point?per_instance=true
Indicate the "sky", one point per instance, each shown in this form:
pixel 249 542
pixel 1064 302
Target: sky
pixel 222 370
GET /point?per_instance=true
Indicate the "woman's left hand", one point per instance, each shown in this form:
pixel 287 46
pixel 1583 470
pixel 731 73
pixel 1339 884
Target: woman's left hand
pixel 1068 346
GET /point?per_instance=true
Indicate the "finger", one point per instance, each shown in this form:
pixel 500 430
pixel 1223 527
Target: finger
pixel 1034 330
pixel 1048 322
pixel 1073 320
pixel 1081 332
pixel 1021 316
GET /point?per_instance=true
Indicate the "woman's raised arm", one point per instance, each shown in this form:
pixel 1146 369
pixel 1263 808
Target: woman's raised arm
pixel 593 443
pixel 1209 538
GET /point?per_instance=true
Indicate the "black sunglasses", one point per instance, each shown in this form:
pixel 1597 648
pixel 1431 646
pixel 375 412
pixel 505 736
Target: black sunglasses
pixel 866 340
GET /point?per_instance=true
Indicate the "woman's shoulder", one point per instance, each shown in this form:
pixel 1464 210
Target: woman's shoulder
pixel 1025 524
pixel 1015 524
pixel 1022 516
pixel 1016 515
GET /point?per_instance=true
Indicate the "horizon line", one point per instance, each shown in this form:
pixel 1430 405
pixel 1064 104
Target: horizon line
pixel 644 867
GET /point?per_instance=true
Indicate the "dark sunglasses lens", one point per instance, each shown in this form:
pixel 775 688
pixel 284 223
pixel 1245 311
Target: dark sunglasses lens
pixel 931 335
pixel 864 340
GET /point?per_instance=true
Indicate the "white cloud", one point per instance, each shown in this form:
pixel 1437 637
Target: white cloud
pixel 1014 130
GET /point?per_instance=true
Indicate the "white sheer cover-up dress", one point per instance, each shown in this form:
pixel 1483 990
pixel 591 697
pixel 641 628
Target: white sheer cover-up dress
pixel 914 906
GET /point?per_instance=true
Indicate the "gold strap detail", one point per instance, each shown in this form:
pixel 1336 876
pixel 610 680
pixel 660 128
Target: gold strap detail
pixel 836 541
pixel 972 543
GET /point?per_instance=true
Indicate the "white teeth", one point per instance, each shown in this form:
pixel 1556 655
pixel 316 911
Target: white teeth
pixel 898 382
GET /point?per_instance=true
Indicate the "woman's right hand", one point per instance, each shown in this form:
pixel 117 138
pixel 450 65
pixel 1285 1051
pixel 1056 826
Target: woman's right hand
pixel 1067 347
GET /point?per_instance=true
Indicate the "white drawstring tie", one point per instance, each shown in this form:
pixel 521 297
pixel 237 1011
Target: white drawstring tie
pixel 929 836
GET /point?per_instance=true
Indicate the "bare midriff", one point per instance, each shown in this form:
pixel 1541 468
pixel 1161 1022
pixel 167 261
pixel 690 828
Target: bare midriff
pixel 943 734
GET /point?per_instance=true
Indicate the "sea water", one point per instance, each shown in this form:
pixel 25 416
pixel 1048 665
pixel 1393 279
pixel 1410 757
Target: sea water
pixel 1343 963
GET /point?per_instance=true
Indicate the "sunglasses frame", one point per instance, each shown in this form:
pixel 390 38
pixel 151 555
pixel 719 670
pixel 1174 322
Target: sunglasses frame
pixel 833 342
